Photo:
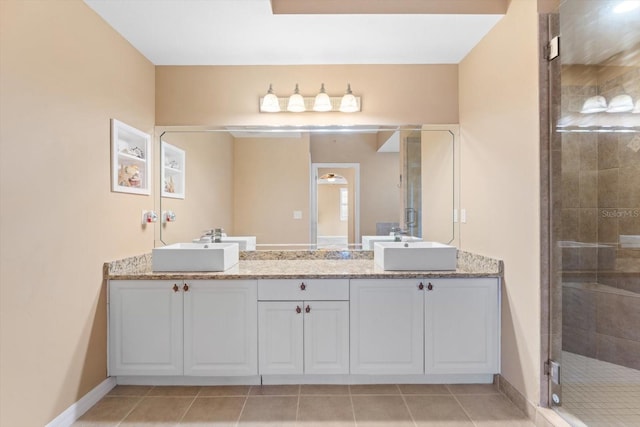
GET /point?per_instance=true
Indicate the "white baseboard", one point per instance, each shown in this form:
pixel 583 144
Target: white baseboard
pixel 159 380
pixel 75 411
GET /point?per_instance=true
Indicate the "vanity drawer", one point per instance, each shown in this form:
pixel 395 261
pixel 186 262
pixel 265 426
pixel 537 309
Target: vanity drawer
pixel 300 289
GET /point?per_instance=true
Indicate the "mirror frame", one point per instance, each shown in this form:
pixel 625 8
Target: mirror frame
pixel 453 129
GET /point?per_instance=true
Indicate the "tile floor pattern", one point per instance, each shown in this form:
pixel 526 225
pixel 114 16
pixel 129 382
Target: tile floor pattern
pixel 599 394
pixel 473 405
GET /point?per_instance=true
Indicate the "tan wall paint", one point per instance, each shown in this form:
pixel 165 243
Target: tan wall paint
pixel 63 74
pixel 437 185
pixel 548 6
pixel 379 174
pixel 228 95
pixel 272 175
pixel 499 120
pixel 208 201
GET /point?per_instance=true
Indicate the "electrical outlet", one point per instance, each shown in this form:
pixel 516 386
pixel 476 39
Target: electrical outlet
pixel 463 216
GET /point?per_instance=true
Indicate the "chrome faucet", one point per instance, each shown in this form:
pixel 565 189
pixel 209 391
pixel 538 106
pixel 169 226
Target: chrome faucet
pixel 213 235
pixel 398 233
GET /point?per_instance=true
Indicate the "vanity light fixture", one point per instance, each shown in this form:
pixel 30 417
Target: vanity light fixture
pixel 270 103
pixel 349 104
pixel 296 102
pixel 322 102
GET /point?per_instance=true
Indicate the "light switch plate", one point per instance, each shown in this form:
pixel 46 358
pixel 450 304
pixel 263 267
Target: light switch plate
pixel 297 214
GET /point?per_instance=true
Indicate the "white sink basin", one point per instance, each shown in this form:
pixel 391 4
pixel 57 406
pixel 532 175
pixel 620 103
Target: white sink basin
pixel 369 241
pixel 414 256
pixel 195 257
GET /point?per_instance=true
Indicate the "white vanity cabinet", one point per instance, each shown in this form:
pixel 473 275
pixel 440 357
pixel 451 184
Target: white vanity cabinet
pixel 145 327
pixel 462 326
pixel 386 326
pixel 220 328
pixel 433 326
pixel 173 327
pixel 303 326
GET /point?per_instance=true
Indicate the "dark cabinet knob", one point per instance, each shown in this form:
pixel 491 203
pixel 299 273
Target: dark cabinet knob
pixel 308 309
pixel 430 286
pixel 185 287
pixel 303 286
pixel 175 287
pixel 421 286
pixel 298 310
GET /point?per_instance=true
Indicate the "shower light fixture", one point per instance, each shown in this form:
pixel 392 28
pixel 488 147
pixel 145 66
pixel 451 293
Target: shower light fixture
pixel 322 102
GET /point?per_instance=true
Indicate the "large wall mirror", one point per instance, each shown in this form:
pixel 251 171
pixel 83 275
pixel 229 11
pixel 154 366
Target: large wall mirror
pixel 316 187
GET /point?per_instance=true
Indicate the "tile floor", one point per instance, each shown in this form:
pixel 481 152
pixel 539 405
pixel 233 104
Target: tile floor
pixel 474 405
pixel 599 394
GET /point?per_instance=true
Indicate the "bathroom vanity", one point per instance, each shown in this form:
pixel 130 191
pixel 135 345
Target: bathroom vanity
pixel 301 320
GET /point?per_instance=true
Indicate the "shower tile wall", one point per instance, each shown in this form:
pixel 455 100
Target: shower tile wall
pixel 600 203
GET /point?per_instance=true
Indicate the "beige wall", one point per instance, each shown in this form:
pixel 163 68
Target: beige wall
pixel 208 201
pixel 63 74
pixel 271 180
pixel 228 95
pixel 379 174
pixel 499 121
pixel 437 147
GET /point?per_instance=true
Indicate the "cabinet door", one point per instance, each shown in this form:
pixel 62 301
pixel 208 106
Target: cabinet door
pixel 145 327
pixel 326 337
pixel 280 328
pixel 220 327
pixel 386 326
pixel 462 326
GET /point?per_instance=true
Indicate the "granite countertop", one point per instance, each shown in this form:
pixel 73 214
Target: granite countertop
pixel 303 264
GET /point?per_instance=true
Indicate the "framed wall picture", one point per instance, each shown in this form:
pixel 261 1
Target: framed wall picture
pixel 173 171
pixel 130 159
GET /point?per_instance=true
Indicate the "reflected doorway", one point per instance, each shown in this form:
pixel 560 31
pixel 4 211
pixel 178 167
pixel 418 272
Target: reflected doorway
pixel 334 211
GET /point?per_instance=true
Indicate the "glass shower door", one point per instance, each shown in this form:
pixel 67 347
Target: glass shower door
pixel 595 266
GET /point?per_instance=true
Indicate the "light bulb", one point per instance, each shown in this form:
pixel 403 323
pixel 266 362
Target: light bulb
pixel 296 102
pixel 349 103
pixel 270 103
pixel 322 102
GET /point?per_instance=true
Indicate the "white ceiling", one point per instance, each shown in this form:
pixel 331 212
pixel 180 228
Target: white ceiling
pixel 245 32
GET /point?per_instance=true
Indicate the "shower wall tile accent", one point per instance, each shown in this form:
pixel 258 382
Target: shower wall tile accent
pixel 600 322
pixel 608 184
pixel 600 202
pixel 619 351
pixel 579 341
pixel 600 190
pixel 608 151
pixel 618 316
